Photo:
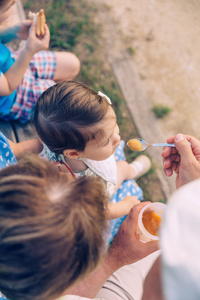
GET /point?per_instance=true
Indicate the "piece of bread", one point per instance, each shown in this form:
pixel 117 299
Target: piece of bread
pixel 40 22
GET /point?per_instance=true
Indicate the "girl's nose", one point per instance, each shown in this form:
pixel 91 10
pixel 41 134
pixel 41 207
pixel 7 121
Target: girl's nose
pixel 116 139
pixel 117 129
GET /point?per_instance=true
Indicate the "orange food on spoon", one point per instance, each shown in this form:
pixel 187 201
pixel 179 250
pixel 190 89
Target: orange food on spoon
pixel 135 144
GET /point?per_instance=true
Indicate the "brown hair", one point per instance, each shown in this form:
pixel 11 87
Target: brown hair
pixel 64 114
pixel 51 233
pixel 2 2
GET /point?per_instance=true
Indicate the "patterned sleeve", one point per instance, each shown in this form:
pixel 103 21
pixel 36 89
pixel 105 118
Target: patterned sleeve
pixel 7 157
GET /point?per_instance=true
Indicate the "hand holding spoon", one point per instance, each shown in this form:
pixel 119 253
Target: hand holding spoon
pixel 140 145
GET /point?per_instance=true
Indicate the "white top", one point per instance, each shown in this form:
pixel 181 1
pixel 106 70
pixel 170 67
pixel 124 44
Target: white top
pixel 180 244
pixel 106 169
pixel 73 297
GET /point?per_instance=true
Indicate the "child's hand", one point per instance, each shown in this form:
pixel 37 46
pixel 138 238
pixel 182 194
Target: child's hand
pixel 121 208
pixel 130 202
pixel 22 29
pixel 35 44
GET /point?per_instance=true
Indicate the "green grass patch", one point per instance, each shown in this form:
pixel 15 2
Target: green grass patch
pixel 131 50
pixel 160 110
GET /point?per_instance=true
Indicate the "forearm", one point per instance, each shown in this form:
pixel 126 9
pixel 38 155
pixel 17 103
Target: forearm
pixel 33 146
pixel 116 210
pixel 16 72
pixel 90 286
pixel 7 34
pixel 121 208
pixel 110 263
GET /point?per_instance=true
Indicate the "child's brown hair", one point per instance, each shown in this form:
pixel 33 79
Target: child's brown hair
pixel 64 116
pixel 2 2
pixel 51 233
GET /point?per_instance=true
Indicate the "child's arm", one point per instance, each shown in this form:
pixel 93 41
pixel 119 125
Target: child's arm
pixel 19 31
pixel 33 146
pixel 12 78
pixel 121 208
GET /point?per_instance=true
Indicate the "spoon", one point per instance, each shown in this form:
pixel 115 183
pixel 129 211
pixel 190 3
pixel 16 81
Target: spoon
pixel 140 145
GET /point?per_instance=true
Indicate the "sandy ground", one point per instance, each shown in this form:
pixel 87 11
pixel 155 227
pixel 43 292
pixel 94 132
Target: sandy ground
pixel 164 68
pixel 165 38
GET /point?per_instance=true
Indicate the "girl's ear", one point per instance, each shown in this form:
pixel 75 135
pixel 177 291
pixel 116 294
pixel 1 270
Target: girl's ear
pixel 71 153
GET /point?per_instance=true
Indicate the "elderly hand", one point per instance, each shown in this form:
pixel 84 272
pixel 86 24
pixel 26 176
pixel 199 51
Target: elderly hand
pixel 126 247
pixel 184 160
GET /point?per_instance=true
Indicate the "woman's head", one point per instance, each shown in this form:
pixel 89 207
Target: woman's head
pixel 51 233
pixel 70 115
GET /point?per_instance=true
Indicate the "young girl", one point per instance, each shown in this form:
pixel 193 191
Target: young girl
pixel 25 75
pixel 78 128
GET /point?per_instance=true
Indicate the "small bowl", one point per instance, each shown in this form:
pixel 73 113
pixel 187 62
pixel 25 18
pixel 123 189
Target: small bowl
pixel 155 211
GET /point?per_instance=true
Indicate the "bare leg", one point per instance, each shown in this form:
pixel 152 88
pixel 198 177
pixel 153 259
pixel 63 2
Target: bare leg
pixel 124 172
pixel 136 169
pixel 67 66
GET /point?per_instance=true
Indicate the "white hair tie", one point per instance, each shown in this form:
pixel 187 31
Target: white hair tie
pixel 105 97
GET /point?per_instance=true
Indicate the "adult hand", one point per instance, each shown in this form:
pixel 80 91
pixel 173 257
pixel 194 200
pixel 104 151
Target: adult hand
pixel 126 247
pixel 34 43
pixel 184 160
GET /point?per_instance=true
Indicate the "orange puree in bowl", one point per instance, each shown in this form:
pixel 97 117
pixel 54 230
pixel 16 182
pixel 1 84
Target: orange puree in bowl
pixel 151 221
pixel 135 144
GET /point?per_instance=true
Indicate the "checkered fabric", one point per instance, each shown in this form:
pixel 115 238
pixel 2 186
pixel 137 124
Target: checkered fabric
pixel 37 78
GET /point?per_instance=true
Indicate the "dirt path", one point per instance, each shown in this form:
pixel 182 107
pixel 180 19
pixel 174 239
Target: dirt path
pixel 165 37
pixel 164 68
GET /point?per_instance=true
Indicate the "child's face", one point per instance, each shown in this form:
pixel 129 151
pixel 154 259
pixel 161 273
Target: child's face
pixel 105 146
pixel 5 9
